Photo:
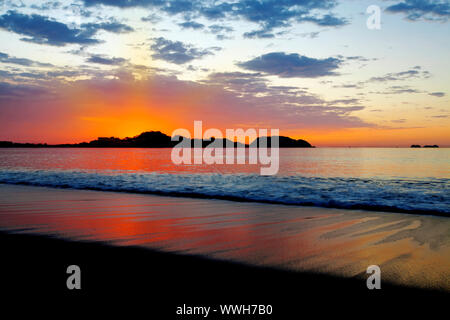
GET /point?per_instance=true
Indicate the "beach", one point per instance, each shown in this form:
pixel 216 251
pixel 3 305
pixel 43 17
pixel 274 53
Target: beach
pixel 411 250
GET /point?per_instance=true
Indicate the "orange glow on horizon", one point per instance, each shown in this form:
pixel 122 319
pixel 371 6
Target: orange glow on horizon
pixel 86 110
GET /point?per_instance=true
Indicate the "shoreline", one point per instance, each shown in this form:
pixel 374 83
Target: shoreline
pixel 337 242
pixel 194 195
pixel 147 254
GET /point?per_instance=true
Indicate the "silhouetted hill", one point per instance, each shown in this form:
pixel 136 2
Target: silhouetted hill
pixel 153 139
pixel 426 146
pixel 285 142
pixel 432 146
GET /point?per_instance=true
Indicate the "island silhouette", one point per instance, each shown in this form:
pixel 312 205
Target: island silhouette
pixel 425 146
pixel 157 139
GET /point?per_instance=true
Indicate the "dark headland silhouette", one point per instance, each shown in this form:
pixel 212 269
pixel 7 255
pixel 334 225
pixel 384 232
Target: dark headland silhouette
pixel 154 139
pixel 425 146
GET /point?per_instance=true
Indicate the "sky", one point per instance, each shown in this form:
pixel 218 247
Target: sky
pixel 71 71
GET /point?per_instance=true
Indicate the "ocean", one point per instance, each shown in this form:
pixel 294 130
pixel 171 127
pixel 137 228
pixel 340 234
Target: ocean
pixel 382 179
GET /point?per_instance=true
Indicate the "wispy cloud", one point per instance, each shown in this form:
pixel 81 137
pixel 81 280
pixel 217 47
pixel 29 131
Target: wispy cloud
pixel 100 59
pixel 437 94
pixel 415 72
pixel 422 9
pixel 178 52
pixel 6 58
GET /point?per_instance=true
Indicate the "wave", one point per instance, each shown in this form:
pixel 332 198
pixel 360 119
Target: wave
pixel 419 196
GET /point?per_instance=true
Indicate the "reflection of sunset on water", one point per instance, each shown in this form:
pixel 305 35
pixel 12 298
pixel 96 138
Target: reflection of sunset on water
pixel 325 162
pixel 261 234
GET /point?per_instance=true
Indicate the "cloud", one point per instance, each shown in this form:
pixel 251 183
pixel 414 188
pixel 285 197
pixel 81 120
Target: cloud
pixel 430 10
pixel 243 83
pixel 437 94
pixel 261 34
pixel 100 59
pixel 49 5
pixel 5 58
pixel 183 101
pixel 325 21
pixel 441 116
pixel 216 28
pixel 10 91
pixel 191 25
pixel 348 86
pixel 153 18
pixel 398 90
pixel 268 14
pixel 220 31
pixel 178 52
pixel 292 65
pixel 91 29
pixel 415 72
pixel 40 29
pixel 399 121
pixel 345 101
pixel 311 35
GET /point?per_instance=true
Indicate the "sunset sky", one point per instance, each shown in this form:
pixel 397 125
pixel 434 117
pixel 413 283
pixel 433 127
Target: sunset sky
pixel 75 70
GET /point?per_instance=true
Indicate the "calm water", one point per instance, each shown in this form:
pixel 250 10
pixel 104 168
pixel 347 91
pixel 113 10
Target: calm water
pixel 388 179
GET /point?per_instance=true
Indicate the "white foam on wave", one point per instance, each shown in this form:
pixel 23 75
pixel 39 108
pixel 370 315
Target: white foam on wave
pixel 398 195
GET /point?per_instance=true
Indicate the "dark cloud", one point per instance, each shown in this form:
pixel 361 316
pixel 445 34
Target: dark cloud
pixel 267 14
pixel 437 94
pixel 42 30
pixel 5 58
pixel 325 21
pixel 8 91
pixel 91 29
pixel 100 59
pixel 422 9
pixel 177 52
pixel 358 58
pixel 260 34
pixel 191 25
pixel 292 65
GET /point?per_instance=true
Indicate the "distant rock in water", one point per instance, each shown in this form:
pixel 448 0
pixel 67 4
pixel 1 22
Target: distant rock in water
pixel 426 146
pixel 155 139
pixel 431 146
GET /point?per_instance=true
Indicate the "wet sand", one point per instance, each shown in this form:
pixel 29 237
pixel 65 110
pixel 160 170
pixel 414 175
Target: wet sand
pixel 169 251
pixel 411 250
